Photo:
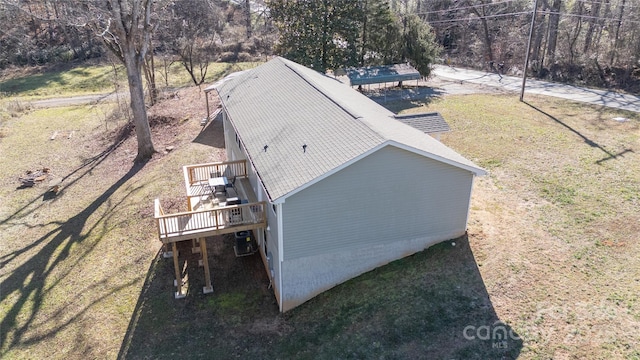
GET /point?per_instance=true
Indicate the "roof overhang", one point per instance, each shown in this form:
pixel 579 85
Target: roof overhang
pixel 477 171
pixel 474 170
pixel 216 84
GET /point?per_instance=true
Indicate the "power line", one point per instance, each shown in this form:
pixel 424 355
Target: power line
pixel 464 7
pixel 454 20
pixel 588 17
pixel 606 3
pixel 478 18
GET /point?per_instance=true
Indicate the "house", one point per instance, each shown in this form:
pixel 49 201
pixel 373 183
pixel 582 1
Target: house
pixel 347 187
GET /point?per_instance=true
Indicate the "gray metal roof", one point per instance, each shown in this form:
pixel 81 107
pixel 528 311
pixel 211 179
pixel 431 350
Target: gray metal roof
pixel 380 74
pixel 282 105
pixel 426 122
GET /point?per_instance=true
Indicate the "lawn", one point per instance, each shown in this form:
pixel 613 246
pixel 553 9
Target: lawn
pixel 70 80
pixel 551 255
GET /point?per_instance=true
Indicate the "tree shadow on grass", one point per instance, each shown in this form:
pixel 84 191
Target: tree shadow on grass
pixel 433 304
pixel 26 283
pixel 608 154
pixel 214 325
pixel 82 170
pixel 28 208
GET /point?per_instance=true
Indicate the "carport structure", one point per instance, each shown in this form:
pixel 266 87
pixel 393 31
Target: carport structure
pixel 382 74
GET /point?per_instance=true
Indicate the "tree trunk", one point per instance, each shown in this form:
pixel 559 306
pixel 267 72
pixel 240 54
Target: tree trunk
pixel 554 21
pixel 487 34
pixel 325 35
pixel 365 11
pixel 572 37
pixel 247 5
pixel 536 59
pixel 487 39
pixel 631 64
pixel 601 27
pixel 133 65
pixel 614 52
pixel 588 38
pixel 150 76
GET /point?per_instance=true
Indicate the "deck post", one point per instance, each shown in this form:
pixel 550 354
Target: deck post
pixel 194 246
pixel 166 253
pixel 176 265
pixel 208 288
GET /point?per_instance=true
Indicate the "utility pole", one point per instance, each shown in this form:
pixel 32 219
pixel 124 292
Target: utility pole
pixel 526 59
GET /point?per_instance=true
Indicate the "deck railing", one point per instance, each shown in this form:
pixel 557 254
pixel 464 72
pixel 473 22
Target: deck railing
pixel 193 224
pixel 202 172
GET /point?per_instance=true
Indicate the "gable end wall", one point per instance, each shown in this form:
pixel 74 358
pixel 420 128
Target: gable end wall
pixel 388 205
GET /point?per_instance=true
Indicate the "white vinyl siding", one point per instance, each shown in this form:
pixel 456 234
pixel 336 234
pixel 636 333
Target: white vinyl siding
pixel 391 195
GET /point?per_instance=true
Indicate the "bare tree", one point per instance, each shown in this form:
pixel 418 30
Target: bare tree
pixel 193 39
pixel 616 40
pixel 554 22
pixel 574 32
pixel 126 26
pixel 592 20
pixel 481 12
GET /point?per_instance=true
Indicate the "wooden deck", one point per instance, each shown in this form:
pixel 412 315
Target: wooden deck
pixel 209 215
pixel 202 223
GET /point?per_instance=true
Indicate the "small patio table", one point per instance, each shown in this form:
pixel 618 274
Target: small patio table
pixel 218 181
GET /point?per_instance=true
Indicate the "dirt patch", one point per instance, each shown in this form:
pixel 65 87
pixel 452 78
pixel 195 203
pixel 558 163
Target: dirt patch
pixel 173 121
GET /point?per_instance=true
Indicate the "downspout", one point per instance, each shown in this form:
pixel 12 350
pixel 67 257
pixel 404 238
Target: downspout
pixel 280 251
pixel 206 99
pixel 466 223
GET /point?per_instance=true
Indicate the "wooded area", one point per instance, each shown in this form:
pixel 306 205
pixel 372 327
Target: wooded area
pixel 593 42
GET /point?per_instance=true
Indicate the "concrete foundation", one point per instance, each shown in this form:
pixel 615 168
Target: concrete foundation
pixel 304 278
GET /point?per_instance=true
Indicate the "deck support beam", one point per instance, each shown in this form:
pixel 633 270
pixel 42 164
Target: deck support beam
pixel 176 265
pixel 208 288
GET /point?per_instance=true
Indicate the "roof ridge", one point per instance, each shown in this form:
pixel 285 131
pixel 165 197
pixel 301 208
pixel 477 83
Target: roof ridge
pixel 321 90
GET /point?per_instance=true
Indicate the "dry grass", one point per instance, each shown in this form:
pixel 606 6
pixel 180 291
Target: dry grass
pixel 73 265
pixel 555 225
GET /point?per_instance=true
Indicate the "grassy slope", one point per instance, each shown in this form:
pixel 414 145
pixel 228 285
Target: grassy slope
pixel 73 266
pixel 552 252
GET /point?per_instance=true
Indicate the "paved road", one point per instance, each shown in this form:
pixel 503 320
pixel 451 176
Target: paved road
pixel 76 100
pixel 450 80
pixel 514 84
